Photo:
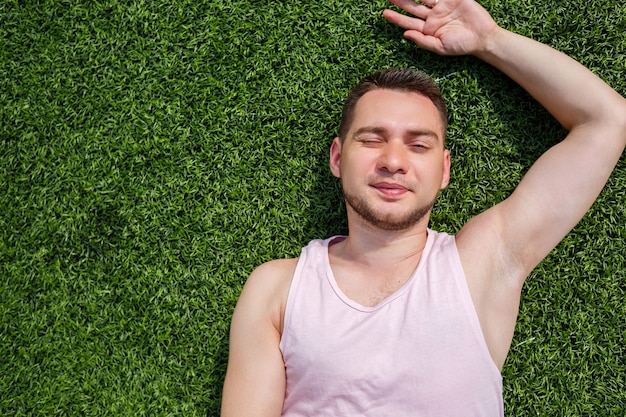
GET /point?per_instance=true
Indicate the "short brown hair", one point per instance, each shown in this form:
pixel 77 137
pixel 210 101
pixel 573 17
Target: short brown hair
pixel 403 79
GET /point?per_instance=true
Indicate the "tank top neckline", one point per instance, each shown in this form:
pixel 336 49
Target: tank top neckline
pixel 391 297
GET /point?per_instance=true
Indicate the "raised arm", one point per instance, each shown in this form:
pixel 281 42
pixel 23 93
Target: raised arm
pixel 255 379
pixel 562 185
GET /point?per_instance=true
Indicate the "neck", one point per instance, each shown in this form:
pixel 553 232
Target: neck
pixel 371 246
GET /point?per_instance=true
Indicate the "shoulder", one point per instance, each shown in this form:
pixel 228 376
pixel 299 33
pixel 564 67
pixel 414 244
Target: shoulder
pixel 264 294
pixel 273 274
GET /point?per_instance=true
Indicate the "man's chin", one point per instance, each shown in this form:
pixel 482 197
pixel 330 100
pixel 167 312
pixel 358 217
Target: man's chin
pixel 391 217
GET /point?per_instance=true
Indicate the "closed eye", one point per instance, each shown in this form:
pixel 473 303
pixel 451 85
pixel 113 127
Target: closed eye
pixel 420 147
pixel 369 140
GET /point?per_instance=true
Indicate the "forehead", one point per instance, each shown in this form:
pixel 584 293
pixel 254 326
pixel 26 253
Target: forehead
pixel 396 109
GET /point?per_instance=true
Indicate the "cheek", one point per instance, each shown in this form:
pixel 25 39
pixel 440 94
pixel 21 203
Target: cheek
pixel 354 163
pixel 431 172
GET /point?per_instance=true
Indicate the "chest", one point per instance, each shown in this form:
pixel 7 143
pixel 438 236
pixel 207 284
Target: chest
pixel 369 287
pixel 406 352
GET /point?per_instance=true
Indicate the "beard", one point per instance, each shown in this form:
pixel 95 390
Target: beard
pixel 391 221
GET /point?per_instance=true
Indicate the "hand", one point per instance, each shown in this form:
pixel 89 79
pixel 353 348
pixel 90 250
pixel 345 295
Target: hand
pixel 446 27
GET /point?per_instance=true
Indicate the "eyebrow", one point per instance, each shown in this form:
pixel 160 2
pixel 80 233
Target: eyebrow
pixel 411 133
pixel 369 129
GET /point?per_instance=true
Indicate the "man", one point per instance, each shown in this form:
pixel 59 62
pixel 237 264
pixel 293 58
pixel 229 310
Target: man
pixel 396 319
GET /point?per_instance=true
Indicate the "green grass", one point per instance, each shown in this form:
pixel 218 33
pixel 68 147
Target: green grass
pixel 153 153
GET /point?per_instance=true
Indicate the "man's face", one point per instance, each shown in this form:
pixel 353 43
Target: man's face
pixel 392 162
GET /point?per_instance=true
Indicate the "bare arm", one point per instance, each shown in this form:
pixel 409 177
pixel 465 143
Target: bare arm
pixel 500 247
pixel 255 379
pixel 562 185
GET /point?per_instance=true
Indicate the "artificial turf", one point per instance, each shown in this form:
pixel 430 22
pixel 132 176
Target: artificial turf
pixel 152 153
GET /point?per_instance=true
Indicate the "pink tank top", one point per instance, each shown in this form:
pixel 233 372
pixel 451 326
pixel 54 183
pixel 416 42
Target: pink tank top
pixel 420 352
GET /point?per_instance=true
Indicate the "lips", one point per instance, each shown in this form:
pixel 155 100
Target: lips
pixel 390 189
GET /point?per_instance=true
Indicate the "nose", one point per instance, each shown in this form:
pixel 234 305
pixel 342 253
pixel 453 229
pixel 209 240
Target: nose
pixel 393 158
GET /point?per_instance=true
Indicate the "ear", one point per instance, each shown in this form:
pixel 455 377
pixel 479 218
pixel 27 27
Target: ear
pixel 335 157
pixel 445 178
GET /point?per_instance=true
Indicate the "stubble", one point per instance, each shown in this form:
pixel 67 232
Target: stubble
pixel 386 221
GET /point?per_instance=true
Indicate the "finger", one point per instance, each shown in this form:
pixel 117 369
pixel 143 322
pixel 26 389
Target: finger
pixel 405 22
pixel 430 43
pixel 419 9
